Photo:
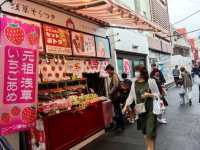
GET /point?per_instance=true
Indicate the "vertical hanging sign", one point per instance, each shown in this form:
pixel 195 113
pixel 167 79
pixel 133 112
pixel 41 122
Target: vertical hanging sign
pixel 19 48
pixel 126 66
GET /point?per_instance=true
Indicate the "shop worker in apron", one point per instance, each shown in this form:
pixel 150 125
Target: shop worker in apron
pixel 115 96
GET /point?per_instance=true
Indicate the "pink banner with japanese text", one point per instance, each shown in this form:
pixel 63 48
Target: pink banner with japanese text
pixel 18 73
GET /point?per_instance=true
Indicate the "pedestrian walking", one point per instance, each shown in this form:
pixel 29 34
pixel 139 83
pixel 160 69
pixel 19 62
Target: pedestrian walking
pixel 125 90
pixel 187 85
pixel 161 80
pixel 176 75
pixel 143 97
pixel 114 95
pixel 156 76
pixel 196 78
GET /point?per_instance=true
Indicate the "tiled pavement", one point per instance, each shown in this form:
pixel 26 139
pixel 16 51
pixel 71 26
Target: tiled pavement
pixel 181 133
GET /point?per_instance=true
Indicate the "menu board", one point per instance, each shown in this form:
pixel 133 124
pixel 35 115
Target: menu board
pixel 57 40
pixel 83 44
pixel 18 74
pixel 103 47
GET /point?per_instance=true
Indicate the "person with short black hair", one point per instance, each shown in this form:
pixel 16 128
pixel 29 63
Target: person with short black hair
pixel 126 80
pixel 154 68
pixel 125 90
pixel 176 74
pixel 114 95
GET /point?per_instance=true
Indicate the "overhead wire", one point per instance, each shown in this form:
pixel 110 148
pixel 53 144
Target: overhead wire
pixel 189 16
pixel 196 30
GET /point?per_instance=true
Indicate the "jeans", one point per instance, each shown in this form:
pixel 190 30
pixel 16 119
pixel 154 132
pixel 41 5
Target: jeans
pixel 118 115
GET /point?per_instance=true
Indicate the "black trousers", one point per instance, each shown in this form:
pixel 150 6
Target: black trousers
pixel 176 80
pixel 118 115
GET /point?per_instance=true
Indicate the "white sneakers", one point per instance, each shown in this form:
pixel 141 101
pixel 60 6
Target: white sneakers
pixel 162 121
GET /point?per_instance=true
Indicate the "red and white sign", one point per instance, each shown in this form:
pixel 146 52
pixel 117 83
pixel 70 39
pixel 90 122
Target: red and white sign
pixel 57 40
pixel 126 66
pixel 18 74
pixel 83 44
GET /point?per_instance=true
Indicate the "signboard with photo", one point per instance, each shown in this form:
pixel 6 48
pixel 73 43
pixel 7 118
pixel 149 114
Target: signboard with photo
pixel 83 44
pixel 57 40
pixel 18 74
pixel 103 47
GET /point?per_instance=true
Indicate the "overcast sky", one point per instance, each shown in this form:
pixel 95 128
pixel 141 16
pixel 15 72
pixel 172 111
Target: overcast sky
pixel 179 9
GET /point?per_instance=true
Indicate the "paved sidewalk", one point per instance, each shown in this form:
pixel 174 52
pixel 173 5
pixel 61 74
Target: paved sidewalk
pixel 181 133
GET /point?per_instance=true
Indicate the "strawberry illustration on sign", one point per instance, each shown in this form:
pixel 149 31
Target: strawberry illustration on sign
pixel 14 34
pixel 5 118
pixel 15 111
pixel 29 115
pixel 33 38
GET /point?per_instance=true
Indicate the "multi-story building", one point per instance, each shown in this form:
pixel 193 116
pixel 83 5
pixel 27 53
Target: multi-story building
pixel 160 48
pixel 182 55
pixel 133 47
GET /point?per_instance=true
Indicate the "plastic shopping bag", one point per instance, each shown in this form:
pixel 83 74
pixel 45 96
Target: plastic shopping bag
pixel 157 106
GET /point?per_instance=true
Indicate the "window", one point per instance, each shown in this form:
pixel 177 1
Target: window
pixel 132 64
pixel 120 66
pixel 137 6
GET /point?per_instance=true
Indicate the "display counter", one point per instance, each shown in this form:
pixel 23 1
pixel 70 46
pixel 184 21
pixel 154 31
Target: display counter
pixel 69 128
pixel 66 129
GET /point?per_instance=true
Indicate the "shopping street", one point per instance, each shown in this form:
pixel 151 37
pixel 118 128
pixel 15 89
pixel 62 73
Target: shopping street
pixel 181 133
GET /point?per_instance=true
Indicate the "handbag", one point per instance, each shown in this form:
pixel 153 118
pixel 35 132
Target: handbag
pixel 140 108
pixel 157 106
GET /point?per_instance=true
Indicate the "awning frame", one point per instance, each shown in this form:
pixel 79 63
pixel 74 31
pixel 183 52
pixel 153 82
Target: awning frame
pixel 118 13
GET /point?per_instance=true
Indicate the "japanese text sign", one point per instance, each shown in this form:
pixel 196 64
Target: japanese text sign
pixel 57 40
pixel 83 44
pixel 18 79
pixel 103 47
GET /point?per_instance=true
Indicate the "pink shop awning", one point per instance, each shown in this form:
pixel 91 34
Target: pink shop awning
pixel 105 12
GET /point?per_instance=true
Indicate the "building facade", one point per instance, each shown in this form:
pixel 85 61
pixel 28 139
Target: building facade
pixel 133 47
pixel 160 48
pixel 182 55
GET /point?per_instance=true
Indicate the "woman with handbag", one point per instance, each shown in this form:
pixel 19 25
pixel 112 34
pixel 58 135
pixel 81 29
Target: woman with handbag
pixel 143 92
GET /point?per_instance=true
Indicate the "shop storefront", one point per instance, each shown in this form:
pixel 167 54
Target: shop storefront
pixel 131 50
pixel 50 62
pixel 53 54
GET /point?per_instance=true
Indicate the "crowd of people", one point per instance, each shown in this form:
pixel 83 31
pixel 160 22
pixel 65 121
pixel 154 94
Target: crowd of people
pixel 188 82
pixel 143 99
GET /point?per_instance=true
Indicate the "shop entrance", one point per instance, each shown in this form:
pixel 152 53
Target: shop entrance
pixel 134 60
pixel 96 83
